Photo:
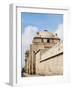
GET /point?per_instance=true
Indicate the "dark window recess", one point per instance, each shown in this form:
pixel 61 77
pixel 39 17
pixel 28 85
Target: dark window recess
pixel 42 40
pixel 48 40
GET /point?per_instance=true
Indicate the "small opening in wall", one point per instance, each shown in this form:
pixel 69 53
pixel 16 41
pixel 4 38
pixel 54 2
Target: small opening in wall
pixel 48 41
pixel 42 40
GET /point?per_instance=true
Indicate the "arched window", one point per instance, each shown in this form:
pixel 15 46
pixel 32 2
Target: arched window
pixel 42 40
pixel 48 40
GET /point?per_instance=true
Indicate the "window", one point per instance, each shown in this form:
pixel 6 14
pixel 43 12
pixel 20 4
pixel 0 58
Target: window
pixel 42 39
pixel 48 41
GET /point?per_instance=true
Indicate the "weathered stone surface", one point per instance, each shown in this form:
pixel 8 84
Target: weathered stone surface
pixel 45 55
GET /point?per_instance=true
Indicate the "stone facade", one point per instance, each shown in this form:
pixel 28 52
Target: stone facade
pixel 50 62
pixel 43 46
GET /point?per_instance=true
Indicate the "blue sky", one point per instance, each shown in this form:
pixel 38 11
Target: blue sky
pixel 41 20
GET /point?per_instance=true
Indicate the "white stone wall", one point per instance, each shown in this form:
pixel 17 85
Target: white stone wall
pixel 37 62
pixel 58 48
pixel 52 66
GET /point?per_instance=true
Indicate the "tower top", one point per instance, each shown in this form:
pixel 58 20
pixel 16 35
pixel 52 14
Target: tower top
pixel 46 30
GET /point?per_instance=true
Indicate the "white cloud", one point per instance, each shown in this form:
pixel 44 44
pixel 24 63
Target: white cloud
pixel 27 37
pixel 59 31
